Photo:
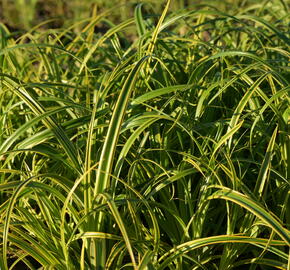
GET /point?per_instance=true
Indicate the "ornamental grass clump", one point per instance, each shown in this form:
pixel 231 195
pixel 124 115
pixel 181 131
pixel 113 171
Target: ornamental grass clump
pixel 165 148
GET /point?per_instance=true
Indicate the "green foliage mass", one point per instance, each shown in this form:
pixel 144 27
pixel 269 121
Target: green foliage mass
pixel 157 140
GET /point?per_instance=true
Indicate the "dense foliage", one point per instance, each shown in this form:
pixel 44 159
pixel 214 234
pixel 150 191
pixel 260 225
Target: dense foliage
pixel 161 142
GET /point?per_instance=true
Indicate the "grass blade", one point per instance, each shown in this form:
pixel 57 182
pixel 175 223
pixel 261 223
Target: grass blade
pixel 254 208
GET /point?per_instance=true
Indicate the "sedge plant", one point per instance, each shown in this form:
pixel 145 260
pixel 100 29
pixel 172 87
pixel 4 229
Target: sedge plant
pixel 164 149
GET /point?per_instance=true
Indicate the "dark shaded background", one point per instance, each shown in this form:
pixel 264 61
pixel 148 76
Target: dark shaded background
pixel 24 14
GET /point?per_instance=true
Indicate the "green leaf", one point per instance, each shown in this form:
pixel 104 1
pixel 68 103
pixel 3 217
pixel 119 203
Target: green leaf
pixel 141 28
pixel 255 208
